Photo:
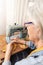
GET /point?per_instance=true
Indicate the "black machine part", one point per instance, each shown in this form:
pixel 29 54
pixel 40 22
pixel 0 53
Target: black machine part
pixel 22 30
pixel 19 29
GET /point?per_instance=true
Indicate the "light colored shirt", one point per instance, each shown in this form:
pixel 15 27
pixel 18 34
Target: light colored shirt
pixel 34 59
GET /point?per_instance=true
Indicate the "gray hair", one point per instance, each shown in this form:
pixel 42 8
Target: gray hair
pixel 36 13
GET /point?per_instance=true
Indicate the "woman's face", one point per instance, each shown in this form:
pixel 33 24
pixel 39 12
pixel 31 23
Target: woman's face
pixel 32 32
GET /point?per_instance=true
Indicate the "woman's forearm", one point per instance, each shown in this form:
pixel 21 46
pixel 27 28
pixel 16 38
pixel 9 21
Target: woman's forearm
pixel 8 52
pixel 7 56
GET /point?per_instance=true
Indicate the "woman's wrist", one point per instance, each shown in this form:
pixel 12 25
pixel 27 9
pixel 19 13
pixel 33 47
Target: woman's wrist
pixel 8 52
pixel 7 56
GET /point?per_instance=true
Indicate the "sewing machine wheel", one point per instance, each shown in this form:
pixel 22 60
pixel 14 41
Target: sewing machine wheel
pixel 22 46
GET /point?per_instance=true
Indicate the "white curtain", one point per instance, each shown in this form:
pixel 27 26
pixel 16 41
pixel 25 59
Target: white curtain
pixel 22 11
pixel 2 17
pixel 16 11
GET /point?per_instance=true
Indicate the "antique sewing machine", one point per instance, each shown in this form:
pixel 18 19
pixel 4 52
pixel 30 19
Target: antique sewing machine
pixel 16 31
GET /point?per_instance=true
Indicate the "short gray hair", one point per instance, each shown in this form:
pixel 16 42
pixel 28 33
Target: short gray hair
pixel 36 13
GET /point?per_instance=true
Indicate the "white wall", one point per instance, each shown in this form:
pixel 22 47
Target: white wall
pixel 2 17
pixel 35 11
pixel 12 11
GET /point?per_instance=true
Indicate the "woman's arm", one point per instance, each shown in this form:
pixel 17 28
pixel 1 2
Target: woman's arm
pixel 8 53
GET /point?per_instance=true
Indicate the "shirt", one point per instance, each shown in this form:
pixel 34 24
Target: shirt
pixel 23 54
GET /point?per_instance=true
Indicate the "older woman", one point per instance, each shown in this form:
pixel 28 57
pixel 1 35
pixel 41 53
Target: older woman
pixel 35 31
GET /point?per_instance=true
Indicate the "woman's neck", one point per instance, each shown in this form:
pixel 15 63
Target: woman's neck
pixel 39 43
pixel 36 42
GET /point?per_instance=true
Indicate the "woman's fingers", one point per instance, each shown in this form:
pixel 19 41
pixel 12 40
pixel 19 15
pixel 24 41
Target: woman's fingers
pixel 14 40
pixel 17 40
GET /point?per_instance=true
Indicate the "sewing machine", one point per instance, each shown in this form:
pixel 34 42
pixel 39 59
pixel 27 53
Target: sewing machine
pixel 16 31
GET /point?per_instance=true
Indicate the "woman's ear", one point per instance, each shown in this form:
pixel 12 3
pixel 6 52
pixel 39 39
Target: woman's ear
pixel 39 31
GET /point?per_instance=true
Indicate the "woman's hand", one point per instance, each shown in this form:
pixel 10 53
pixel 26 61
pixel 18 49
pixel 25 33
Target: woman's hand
pixel 21 41
pixel 18 40
pixel 9 49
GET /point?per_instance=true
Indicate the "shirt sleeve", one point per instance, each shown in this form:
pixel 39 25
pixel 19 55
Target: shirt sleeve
pixel 22 62
pixel 27 61
pixel 31 45
pixel 6 63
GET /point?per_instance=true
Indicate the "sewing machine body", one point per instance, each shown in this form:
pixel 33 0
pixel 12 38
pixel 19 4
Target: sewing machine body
pixel 17 31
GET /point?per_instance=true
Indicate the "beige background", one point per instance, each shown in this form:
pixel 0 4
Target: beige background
pixel 12 11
